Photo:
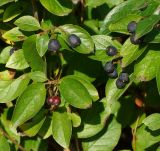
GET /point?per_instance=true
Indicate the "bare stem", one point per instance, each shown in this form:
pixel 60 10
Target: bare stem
pixel 35 10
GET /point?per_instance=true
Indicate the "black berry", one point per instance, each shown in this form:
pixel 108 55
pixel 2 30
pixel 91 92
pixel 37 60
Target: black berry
pixel 109 67
pixel 135 41
pixel 54 100
pixel 54 45
pixel 12 50
pixel 74 40
pixel 113 75
pixel 111 51
pixel 120 84
pixel 124 77
pixel 132 27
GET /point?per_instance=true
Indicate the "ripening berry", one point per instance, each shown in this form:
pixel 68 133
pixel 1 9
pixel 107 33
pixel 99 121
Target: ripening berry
pixel 120 84
pixel 54 45
pixel 74 40
pixel 109 67
pixel 135 41
pixel 113 75
pixel 111 51
pixel 124 77
pixel 132 27
pixel 54 100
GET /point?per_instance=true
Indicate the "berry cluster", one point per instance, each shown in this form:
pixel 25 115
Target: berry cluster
pixel 132 28
pixel 54 101
pixel 73 40
pixel 111 71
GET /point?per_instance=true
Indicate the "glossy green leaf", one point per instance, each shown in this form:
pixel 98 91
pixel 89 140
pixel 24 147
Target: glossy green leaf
pixel 9 90
pixel 130 52
pixel 75 93
pixel 42 44
pixel 57 7
pixel 89 86
pixel 27 23
pixel 17 61
pixel 4 143
pixel 121 25
pixel 106 140
pixel 146 69
pixel 113 93
pixel 86 46
pixel 119 12
pixel 31 55
pixel 145 138
pixel 152 121
pixel 146 25
pixel 29 103
pixel 14 35
pixel 61 127
pixel 3 2
pixel 12 11
pixel 101 43
pixel 38 76
pixel 94 119
pixel 4 55
pixel 31 128
pixel 94 4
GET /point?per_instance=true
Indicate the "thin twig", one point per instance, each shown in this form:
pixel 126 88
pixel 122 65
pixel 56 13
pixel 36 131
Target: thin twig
pixel 77 144
pixel 12 139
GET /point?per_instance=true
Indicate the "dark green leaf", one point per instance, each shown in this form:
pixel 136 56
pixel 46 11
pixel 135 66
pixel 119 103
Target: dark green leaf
pixel 29 103
pixel 31 55
pixel 146 25
pixel 3 2
pixel 158 79
pixel 4 55
pixel 57 7
pixel 86 46
pixel 94 119
pixel 76 119
pixel 75 93
pixel 106 140
pixel 61 127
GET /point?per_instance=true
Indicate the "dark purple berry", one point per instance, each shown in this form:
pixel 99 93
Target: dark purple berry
pixel 120 84
pixel 135 41
pixel 113 75
pixel 124 77
pixel 74 40
pixel 54 45
pixel 111 51
pixel 12 50
pixel 109 67
pixel 54 100
pixel 132 27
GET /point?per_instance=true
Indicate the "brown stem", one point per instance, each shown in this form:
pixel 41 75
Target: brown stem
pixel 12 139
pixel 77 144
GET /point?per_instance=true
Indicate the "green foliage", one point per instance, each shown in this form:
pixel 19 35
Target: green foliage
pixel 92 112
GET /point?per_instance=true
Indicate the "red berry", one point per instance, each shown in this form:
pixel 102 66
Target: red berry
pixel 54 100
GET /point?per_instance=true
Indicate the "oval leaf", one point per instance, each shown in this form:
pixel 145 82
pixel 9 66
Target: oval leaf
pixel 106 139
pixel 75 93
pixel 42 44
pixel 57 7
pixel 94 119
pixel 61 127
pixel 38 76
pixel 86 46
pixel 27 23
pixel 17 61
pixel 31 55
pixel 29 103
pixel 9 90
